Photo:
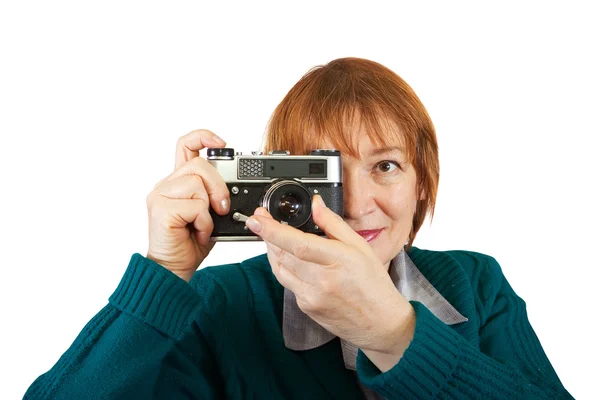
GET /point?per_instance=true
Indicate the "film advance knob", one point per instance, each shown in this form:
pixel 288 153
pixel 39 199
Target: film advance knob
pixel 325 152
pixel 219 153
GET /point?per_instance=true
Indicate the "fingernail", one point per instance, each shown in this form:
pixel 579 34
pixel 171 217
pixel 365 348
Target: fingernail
pixel 225 205
pixel 318 201
pixel 218 140
pixel 253 224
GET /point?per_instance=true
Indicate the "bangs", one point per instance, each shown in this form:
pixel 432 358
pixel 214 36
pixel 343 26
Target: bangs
pixel 345 126
pixel 337 102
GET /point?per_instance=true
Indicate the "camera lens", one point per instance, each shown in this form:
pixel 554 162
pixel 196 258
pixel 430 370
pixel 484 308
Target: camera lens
pixel 288 202
pixel 289 205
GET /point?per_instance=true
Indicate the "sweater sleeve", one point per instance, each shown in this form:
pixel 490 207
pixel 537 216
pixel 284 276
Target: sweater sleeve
pixel 440 363
pixel 144 344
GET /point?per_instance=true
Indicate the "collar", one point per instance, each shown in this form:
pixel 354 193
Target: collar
pixel 300 332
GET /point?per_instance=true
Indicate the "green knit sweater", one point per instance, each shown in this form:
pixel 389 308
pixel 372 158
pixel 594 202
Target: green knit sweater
pixel 220 337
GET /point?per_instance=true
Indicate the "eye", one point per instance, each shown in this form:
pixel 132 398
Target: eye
pixel 387 166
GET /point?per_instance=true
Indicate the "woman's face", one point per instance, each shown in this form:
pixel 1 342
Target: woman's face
pixel 379 196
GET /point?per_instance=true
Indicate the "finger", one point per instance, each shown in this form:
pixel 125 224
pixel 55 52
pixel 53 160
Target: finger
pixel 309 273
pixel 204 248
pixel 213 182
pixel 334 225
pixel 284 275
pixel 184 187
pixel 203 228
pixel 305 246
pixel 190 205
pixel 188 211
pixel 261 211
pixel 189 146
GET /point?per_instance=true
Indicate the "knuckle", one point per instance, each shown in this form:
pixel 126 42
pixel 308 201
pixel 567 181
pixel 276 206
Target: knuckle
pixel 328 285
pixel 310 303
pixel 204 133
pixel 200 204
pixel 339 260
pixel 159 183
pixel 198 181
pixel 338 218
pixel 154 210
pixel 300 248
pixel 198 166
pixel 199 161
pixel 279 264
pixel 280 254
pixel 205 223
pixel 149 199
pixel 202 166
pixel 183 139
pixel 273 261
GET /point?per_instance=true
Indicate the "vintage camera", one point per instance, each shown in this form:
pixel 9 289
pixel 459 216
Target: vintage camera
pixel 282 183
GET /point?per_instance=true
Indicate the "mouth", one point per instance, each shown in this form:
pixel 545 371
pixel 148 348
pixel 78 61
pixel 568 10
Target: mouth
pixel 370 235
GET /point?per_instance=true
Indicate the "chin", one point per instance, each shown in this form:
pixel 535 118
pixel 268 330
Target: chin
pixel 385 248
pixel 382 251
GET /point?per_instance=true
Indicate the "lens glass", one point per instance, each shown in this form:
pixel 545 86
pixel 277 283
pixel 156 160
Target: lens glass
pixel 288 202
pixel 289 205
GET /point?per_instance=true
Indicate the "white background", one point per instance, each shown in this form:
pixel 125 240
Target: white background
pixel 94 96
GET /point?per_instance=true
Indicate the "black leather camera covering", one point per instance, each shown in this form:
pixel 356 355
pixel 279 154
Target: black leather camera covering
pixel 246 203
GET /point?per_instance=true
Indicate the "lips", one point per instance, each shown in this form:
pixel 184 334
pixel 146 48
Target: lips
pixel 370 234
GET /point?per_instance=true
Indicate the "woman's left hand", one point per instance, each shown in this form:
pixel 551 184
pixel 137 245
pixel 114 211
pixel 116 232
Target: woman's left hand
pixel 338 281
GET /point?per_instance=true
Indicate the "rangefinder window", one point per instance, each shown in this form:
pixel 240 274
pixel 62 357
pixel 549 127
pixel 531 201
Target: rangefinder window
pixel 297 168
pixel 316 169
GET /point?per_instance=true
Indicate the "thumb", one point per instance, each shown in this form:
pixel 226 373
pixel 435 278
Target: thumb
pixel 334 225
pixel 262 212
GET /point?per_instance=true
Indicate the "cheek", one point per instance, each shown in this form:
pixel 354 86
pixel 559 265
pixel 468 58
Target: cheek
pixel 398 204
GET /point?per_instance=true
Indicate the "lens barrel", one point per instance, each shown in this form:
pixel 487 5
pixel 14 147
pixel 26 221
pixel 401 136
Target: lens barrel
pixel 289 202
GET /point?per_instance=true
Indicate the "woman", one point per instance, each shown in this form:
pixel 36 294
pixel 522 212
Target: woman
pixel 359 314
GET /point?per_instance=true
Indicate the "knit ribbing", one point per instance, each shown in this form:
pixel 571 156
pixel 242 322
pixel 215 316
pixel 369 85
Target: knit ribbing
pixel 426 366
pixel 462 362
pixel 153 294
pixel 439 362
pixel 220 337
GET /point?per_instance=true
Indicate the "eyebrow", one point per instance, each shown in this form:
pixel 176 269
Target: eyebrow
pixel 384 150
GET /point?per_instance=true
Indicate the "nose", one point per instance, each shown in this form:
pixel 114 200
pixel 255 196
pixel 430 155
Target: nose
pixel 358 197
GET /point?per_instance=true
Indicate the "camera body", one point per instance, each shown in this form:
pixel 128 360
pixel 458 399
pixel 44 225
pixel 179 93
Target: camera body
pixel 282 183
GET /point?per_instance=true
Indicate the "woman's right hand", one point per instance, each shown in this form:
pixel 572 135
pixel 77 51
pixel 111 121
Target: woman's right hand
pixel 178 207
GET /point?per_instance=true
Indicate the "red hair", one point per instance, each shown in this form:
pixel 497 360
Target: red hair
pixel 329 99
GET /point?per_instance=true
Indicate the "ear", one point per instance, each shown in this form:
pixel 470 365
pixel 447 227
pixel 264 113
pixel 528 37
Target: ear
pixel 421 191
